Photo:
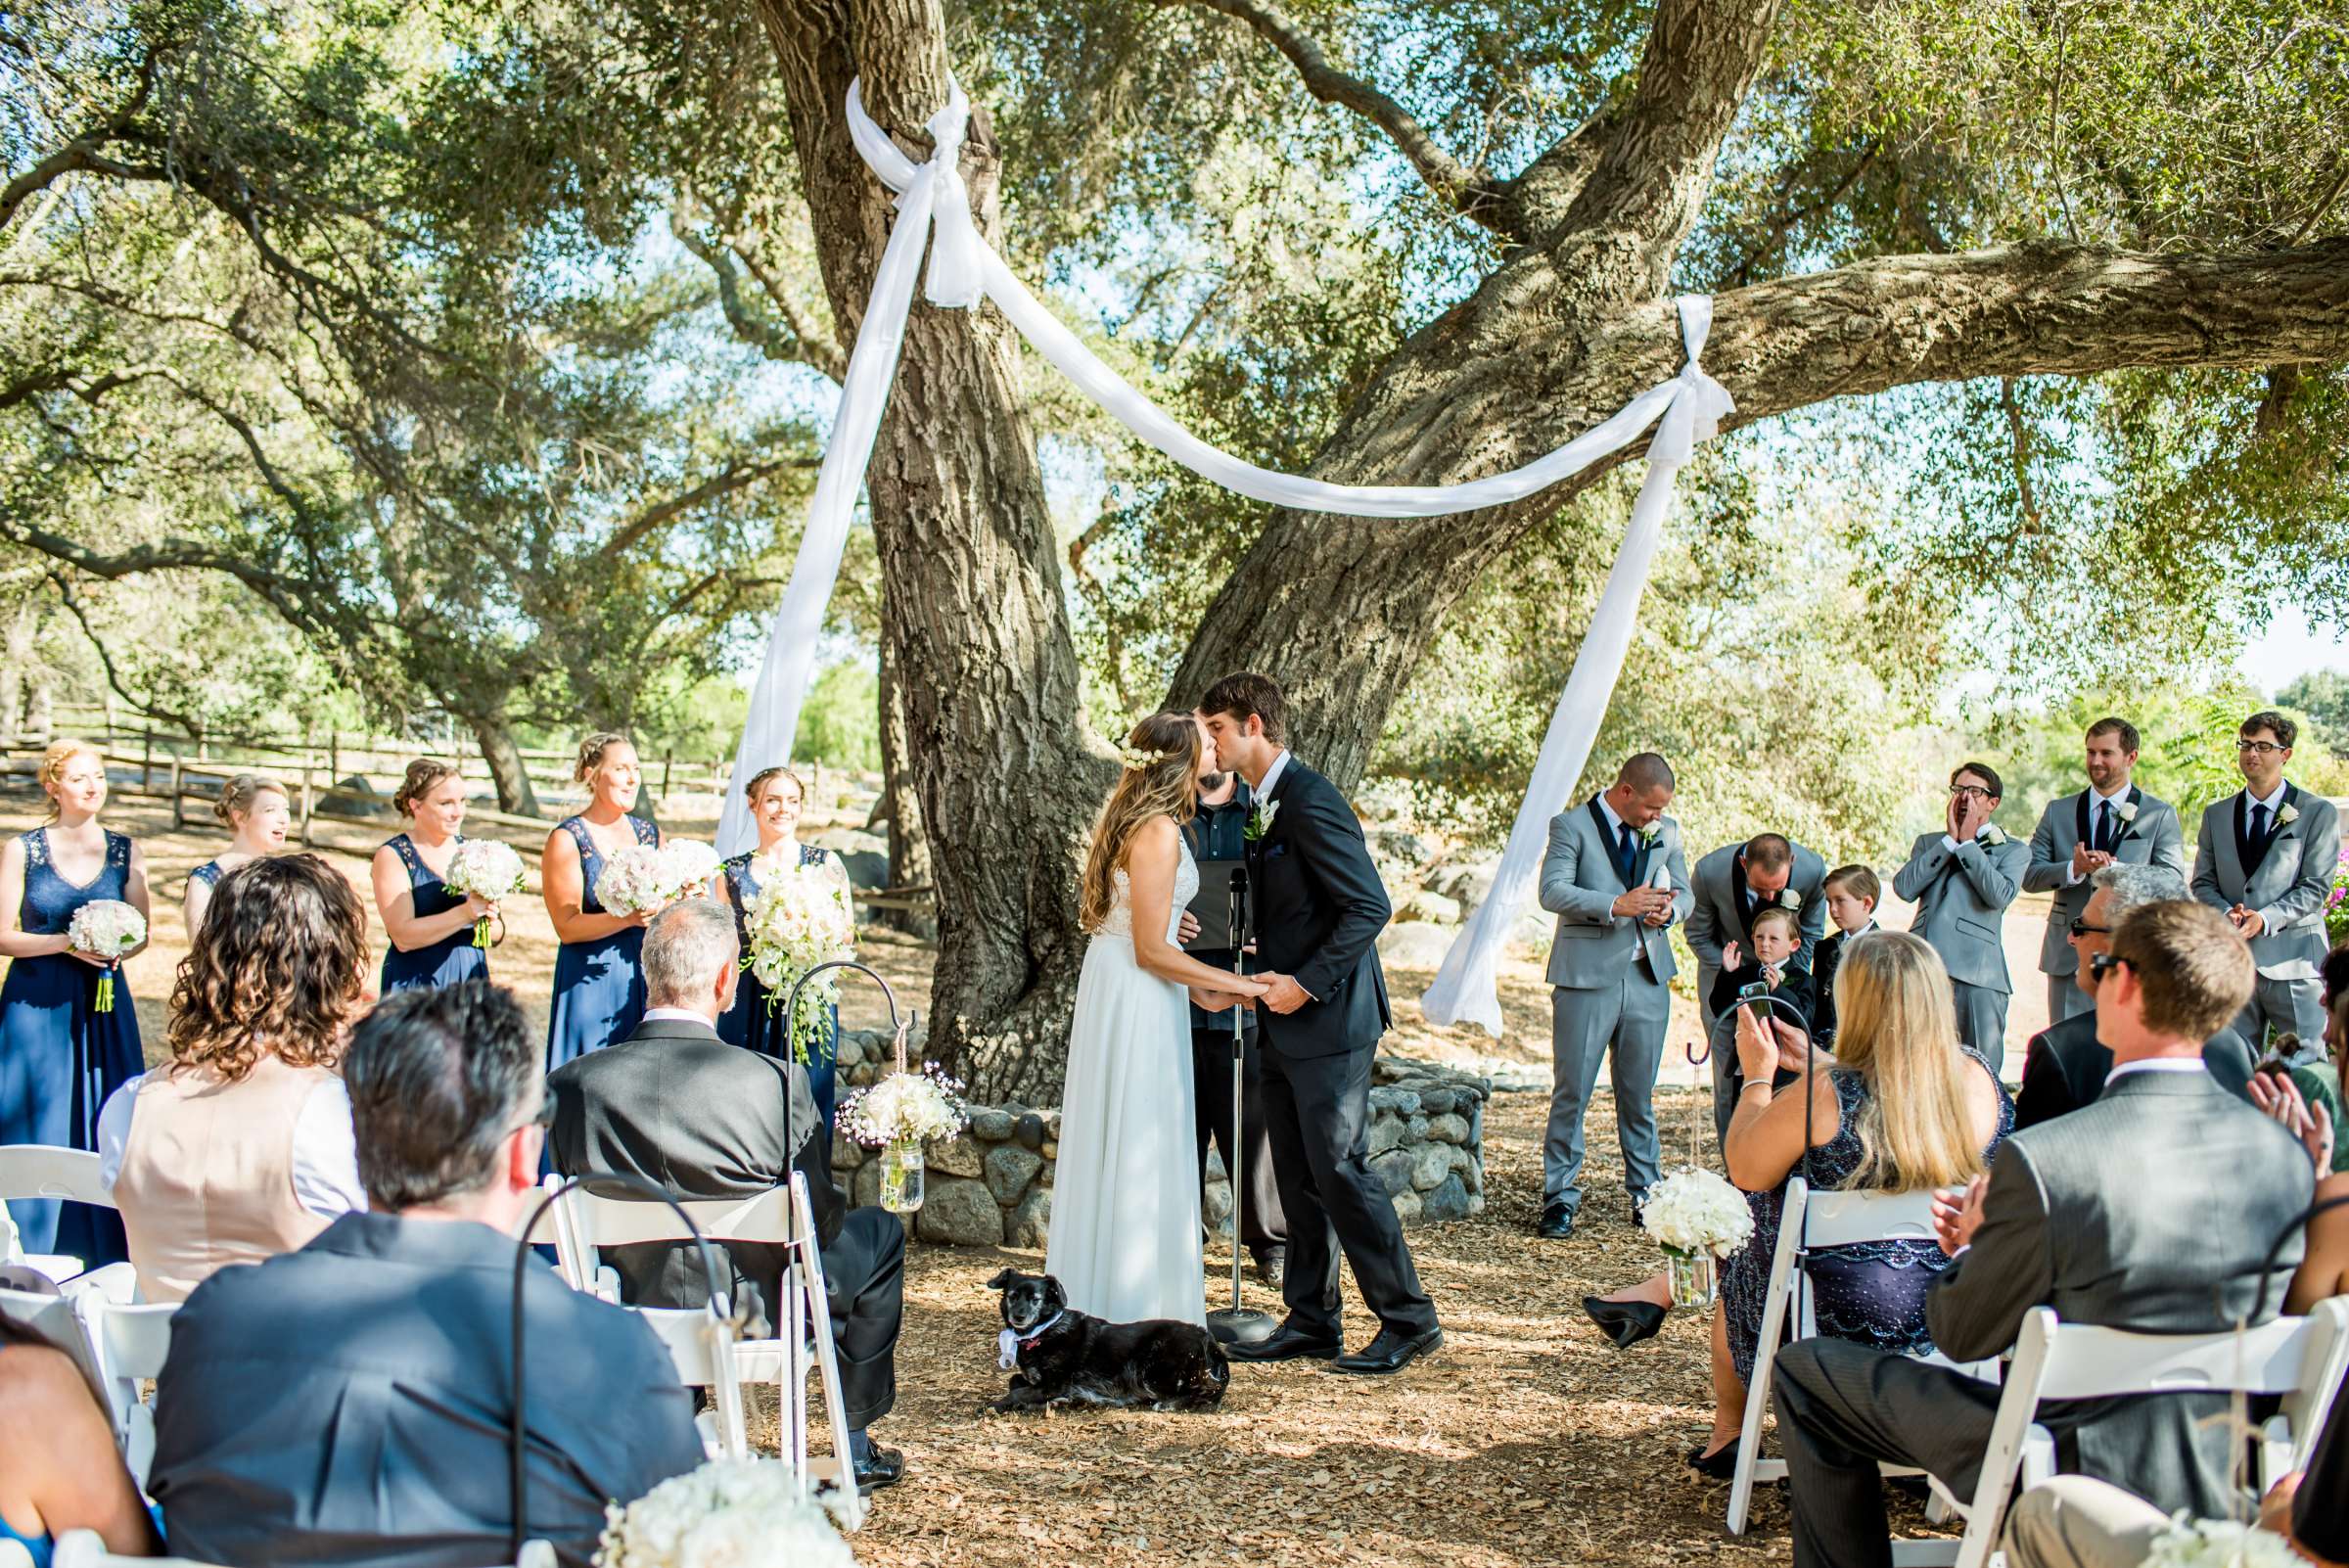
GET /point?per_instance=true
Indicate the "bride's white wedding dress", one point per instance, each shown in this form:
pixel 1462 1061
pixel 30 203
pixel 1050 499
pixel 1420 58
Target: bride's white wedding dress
pixel 1124 1233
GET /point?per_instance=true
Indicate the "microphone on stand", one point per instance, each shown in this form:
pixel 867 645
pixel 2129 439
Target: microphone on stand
pixel 1238 1324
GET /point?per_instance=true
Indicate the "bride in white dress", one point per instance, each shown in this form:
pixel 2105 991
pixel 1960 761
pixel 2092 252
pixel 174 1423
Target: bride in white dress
pixel 1124 1233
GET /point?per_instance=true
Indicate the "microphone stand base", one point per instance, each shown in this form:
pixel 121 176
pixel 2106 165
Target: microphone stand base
pixel 1241 1325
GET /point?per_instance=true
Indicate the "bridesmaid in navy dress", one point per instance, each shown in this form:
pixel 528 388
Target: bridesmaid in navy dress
pixel 256 812
pixel 599 982
pixel 431 928
pixel 776 797
pixel 60 1057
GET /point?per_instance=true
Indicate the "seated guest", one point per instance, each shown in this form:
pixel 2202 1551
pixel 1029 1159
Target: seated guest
pixel 678 1106
pixel 58 1467
pixel 2323 1270
pixel 1899 1108
pixel 240 1147
pixel 2077 1522
pixel 1852 893
pixel 350 1403
pixel 2066 1065
pixel 2105 1215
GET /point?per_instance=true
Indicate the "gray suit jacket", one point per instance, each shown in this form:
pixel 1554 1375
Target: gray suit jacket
pixel 1716 919
pixel 2153 838
pixel 1962 901
pixel 2289 887
pixel 2150 1210
pixel 1580 882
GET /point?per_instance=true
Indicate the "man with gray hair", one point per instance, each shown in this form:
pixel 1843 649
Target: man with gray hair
pixel 678 1106
pixel 2067 1065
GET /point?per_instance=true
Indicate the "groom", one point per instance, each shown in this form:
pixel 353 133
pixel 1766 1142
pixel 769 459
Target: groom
pixel 1319 909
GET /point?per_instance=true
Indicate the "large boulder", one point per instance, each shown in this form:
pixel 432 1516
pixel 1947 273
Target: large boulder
pixel 1414 944
pixel 1433 908
pixel 1532 932
pixel 962 1212
pixel 958 1156
pixel 1468 881
pixel 1447 1200
pixel 1395 1168
pixel 1030 1224
pixel 1009 1170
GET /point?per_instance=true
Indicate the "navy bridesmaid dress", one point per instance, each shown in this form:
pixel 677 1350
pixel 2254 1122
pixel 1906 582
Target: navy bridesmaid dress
pixel 60 1057
pixel 750 1023
pixel 599 985
pixel 453 957
pixel 210 875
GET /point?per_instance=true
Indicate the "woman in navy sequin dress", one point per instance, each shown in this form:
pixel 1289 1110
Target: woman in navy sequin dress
pixel 1899 1107
pixel 776 798
pixel 256 812
pixel 429 928
pixel 60 1056
pixel 599 981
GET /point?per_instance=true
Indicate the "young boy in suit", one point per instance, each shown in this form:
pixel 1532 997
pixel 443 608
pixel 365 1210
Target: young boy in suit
pixel 1852 892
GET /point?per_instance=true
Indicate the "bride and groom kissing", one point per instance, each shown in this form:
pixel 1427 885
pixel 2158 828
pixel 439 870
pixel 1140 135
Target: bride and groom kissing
pixel 1124 1238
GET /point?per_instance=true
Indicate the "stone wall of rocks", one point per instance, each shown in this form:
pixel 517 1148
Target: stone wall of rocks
pixel 991 1185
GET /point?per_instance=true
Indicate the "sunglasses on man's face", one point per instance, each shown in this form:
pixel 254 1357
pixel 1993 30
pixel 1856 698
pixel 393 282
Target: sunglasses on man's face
pixel 2103 964
pixel 2081 928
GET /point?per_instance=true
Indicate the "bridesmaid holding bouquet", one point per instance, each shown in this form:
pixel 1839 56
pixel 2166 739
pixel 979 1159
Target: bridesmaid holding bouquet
pixel 599 982
pixel 62 1050
pixel 776 798
pixel 431 928
pixel 256 812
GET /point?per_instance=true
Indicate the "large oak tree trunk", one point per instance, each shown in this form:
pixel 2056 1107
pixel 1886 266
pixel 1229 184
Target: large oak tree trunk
pixel 975 626
pixel 900 804
pixel 506 769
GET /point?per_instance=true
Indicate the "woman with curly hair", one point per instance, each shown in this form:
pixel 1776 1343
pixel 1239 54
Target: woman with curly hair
pixel 241 1147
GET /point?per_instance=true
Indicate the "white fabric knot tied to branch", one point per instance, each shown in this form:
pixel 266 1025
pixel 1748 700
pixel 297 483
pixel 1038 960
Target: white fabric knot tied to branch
pixel 934 207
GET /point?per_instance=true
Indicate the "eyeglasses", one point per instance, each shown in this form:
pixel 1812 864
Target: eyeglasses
pixel 2081 928
pixel 1972 791
pixel 2103 964
pixel 2260 748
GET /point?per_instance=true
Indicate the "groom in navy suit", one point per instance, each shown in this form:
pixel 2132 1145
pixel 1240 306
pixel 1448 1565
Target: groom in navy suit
pixel 1319 907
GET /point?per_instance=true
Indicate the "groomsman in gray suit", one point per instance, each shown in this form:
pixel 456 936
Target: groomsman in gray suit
pixel 1733 884
pixel 2111 821
pixel 2264 859
pixel 1961 882
pixel 1616 878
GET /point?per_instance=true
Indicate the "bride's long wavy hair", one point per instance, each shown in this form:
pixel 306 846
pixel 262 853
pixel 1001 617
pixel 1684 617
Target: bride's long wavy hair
pixel 1166 785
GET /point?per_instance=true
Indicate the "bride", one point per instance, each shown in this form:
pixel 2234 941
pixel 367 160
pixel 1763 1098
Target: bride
pixel 1125 1231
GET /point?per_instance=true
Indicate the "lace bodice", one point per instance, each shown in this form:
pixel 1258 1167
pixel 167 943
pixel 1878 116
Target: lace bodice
pixel 1121 904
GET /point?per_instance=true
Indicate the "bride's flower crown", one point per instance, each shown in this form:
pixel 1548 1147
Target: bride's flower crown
pixel 1141 759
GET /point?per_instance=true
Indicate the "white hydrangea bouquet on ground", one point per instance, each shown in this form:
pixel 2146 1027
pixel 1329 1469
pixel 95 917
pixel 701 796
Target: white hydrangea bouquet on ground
pixel 483 868
pixel 729 1513
pixel 1698 1218
pixel 898 1116
pixel 107 929
pixel 643 877
pixel 800 918
pixel 2191 1543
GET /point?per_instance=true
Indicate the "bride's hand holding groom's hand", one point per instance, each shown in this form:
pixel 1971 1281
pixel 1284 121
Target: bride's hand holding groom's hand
pixel 1283 995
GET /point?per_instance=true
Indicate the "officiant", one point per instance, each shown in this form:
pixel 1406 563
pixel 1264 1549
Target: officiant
pixel 1218 845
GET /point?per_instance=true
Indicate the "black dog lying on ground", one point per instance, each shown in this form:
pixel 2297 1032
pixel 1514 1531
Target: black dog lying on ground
pixel 1059 1357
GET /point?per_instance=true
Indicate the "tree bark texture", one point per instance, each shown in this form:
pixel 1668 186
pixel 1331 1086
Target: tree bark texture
pixel 506 769
pixel 900 805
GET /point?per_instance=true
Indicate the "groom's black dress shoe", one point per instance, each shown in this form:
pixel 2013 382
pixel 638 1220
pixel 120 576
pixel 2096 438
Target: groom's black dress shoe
pixel 1626 1322
pixel 1284 1344
pixel 1556 1223
pixel 1389 1352
pixel 880 1467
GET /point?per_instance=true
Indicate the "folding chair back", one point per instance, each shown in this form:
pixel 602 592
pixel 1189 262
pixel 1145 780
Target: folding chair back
pixel 595 1220
pixel 82 1548
pixel 130 1343
pixel 37 1171
pixel 700 1345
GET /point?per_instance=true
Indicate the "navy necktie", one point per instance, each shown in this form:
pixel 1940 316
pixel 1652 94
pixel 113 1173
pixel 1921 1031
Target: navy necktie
pixel 2259 822
pixel 2104 826
pixel 1622 851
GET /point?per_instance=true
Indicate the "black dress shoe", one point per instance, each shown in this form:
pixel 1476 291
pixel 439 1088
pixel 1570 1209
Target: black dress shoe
pixel 1626 1322
pixel 1284 1344
pixel 1556 1223
pixel 880 1467
pixel 1389 1352
pixel 1272 1265
pixel 1721 1466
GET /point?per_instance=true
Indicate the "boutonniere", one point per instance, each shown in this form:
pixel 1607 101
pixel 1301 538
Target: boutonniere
pixel 2287 815
pixel 1991 836
pixel 1788 899
pixel 2125 810
pixel 1259 820
pixel 1650 833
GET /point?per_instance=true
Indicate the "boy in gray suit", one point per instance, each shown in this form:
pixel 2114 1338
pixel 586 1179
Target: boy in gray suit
pixel 1617 880
pixel 2264 859
pixel 1961 882
pixel 2108 823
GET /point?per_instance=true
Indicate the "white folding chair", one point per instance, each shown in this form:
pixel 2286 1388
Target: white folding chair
pixel 778 1216
pixel 2297 1357
pixel 1823 1220
pixel 82 1548
pixel 32 1171
pixel 130 1343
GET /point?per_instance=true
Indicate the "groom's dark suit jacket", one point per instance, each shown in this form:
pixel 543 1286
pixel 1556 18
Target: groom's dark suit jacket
pixel 1318 907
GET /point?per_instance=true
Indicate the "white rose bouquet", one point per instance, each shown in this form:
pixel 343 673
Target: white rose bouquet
pixel 107 929
pixel 686 867
pixel 1693 1212
pixel 483 868
pixel 642 877
pixel 2219 1544
pixel 730 1513
pixel 800 919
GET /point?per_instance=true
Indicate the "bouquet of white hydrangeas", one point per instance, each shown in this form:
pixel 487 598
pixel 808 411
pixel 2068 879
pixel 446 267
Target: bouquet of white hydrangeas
pixel 2219 1544
pixel 730 1513
pixel 800 919
pixel 1695 1212
pixel 107 929
pixel 483 868
pixel 686 867
pixel 642 877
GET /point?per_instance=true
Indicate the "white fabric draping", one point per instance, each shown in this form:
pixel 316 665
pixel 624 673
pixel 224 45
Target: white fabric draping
pixel 963 268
